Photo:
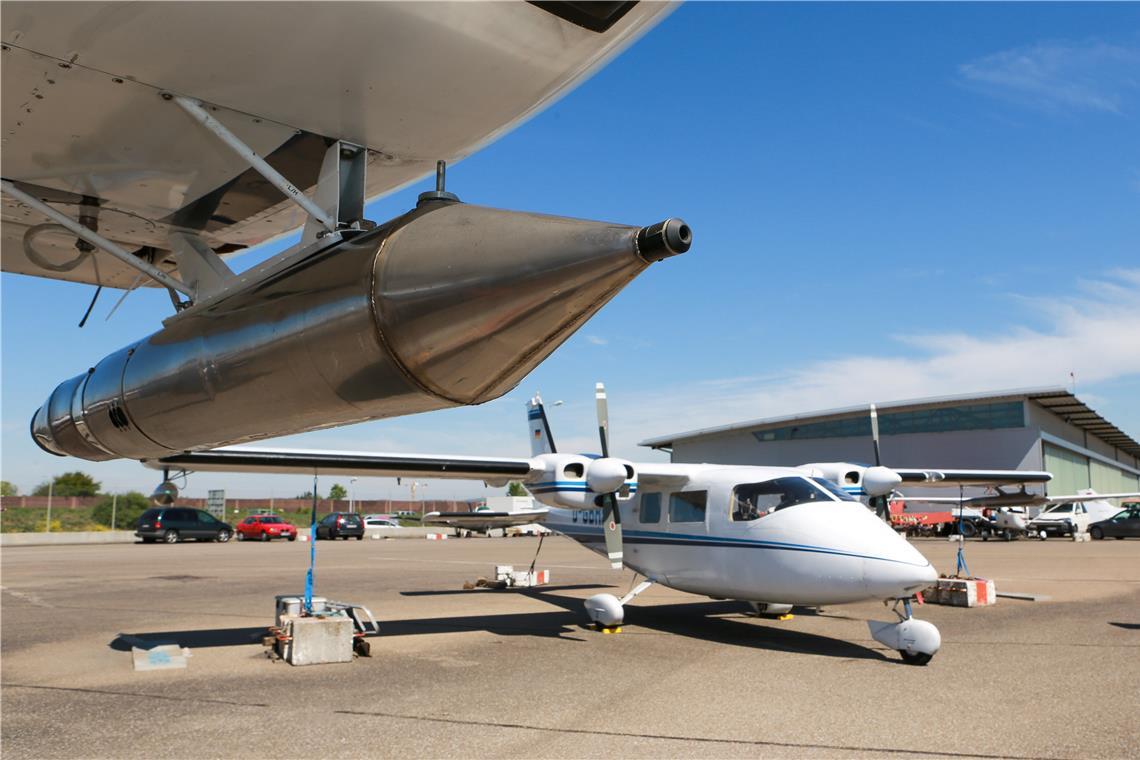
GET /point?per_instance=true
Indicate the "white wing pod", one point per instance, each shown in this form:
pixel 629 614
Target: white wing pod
pixel 563 482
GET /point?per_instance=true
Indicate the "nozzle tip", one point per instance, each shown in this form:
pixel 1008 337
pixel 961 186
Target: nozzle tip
pixel 671 237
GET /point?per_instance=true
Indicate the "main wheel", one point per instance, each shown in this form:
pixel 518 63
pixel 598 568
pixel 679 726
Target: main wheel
pixel 1096 532
pixel 223 536
pixel 918 658
pixel 264 536
pixel 170 536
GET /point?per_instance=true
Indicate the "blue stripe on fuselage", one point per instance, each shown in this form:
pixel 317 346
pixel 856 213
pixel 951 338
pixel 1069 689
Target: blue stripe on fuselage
pixel 586 533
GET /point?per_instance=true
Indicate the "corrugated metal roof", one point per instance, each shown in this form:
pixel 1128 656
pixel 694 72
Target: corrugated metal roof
pixel 1057 400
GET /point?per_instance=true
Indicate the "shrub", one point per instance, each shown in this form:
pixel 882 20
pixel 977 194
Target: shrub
pixel 127 512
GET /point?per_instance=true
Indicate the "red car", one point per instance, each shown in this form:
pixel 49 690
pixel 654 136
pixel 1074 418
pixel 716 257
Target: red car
pixel 265 527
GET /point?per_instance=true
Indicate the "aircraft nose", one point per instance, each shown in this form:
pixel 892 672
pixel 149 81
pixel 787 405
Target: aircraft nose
pixel 898 572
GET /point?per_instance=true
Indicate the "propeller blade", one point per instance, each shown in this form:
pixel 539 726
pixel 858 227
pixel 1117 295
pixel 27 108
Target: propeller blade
pixel 612 517
pixel 875 434
pixel 603 418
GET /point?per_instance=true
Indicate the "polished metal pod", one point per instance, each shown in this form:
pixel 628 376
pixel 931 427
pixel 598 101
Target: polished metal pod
pixel 450 304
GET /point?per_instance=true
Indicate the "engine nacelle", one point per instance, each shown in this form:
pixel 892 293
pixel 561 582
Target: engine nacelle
pixel 449 304
pixel 569 480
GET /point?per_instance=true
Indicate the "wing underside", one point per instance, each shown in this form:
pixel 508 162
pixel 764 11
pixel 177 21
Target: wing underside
pixel 85 122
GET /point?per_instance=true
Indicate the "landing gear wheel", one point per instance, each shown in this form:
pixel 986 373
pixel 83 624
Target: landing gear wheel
pixel 170 536
pixel 918 658
pixel 1096 533
pixel 223 536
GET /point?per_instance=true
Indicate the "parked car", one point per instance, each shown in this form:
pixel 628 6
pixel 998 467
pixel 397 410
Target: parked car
pixel 341 525
pixel 379 522
pixel 174 524
pixel 1123 524
pixel 264 528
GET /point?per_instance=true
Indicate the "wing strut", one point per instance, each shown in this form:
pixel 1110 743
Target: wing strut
pixel 97 240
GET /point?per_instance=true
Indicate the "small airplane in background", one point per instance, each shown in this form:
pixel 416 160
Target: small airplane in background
pixel 484 519
pixel 771 536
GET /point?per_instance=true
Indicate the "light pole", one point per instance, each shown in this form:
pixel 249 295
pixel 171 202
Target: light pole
pixel 352 495
pixel 114 504
pixel 47 523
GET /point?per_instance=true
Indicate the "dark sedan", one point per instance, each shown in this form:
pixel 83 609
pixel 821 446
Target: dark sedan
pixel 341 525
pixel 1124 524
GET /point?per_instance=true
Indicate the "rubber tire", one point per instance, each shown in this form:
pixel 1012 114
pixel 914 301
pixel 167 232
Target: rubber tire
pixel 969 530
pixel 293 537
pixel 223 536
pixel 1096 533
pixel 240 536
pixel 264 536
pixel 918 658
pixel 170 536
pixel 360 537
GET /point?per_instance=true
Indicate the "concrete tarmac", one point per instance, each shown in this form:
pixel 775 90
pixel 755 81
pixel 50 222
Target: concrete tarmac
pixel 516 674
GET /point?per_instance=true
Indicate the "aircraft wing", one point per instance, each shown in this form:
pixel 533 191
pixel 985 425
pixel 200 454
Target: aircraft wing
pixel 349 463
pixel 88 120
pixel 661 475
pixel 1018 499
pixel 484 520
pixel 936 478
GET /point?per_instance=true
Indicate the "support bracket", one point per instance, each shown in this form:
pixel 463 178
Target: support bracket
pixel 259 164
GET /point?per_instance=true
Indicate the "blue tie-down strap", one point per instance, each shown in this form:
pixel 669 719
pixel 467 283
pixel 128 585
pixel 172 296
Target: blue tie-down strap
pixel 312 554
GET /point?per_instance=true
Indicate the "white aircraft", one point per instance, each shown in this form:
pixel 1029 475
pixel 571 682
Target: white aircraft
pixel 484 519
pixel 146 144
pixel 772 536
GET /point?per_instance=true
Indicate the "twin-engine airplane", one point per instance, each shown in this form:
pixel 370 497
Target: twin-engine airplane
pixel 771 536
pixel 147 143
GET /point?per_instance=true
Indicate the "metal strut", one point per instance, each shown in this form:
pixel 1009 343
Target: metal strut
pixel 274 177
pixel 97 240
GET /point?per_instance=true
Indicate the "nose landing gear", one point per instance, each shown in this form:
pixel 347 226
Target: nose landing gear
pixel 915 640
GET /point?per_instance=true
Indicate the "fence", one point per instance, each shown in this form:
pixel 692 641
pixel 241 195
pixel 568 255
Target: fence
pixel 363 506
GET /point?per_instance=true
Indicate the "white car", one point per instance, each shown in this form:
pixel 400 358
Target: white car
pixel 376 522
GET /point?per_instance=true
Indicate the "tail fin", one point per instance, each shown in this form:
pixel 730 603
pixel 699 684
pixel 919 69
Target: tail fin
pixel 541 440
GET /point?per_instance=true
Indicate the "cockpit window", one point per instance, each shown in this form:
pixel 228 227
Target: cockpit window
pixel 755 500
pixel 1061 509
pixel 835 490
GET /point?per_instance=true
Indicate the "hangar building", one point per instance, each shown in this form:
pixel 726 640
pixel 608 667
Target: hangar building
pixel 1033 429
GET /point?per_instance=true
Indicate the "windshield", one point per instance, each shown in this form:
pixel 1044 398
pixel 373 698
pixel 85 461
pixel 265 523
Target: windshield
pixel 271 519
pixel 835 490
pixel 755 500
pixel 1060 509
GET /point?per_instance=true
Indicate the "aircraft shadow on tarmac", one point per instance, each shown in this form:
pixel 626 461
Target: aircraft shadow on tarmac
pixel 1127 626
pixel 718 622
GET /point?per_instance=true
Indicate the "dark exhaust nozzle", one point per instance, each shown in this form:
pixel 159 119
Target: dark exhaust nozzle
pixel 671 237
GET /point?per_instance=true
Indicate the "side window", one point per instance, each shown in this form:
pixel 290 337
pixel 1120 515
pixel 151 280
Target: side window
pixel 180 515
pixel 206 518
pixel 687 506
pixel 328 520
pixel 650 508
pixel 248 521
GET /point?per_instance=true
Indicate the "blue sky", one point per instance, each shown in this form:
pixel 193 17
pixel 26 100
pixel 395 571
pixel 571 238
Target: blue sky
pixel 888 201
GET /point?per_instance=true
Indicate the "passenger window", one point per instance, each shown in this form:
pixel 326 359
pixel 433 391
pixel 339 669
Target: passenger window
pixel 650 507
pixel 688 506
pixel 205 517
